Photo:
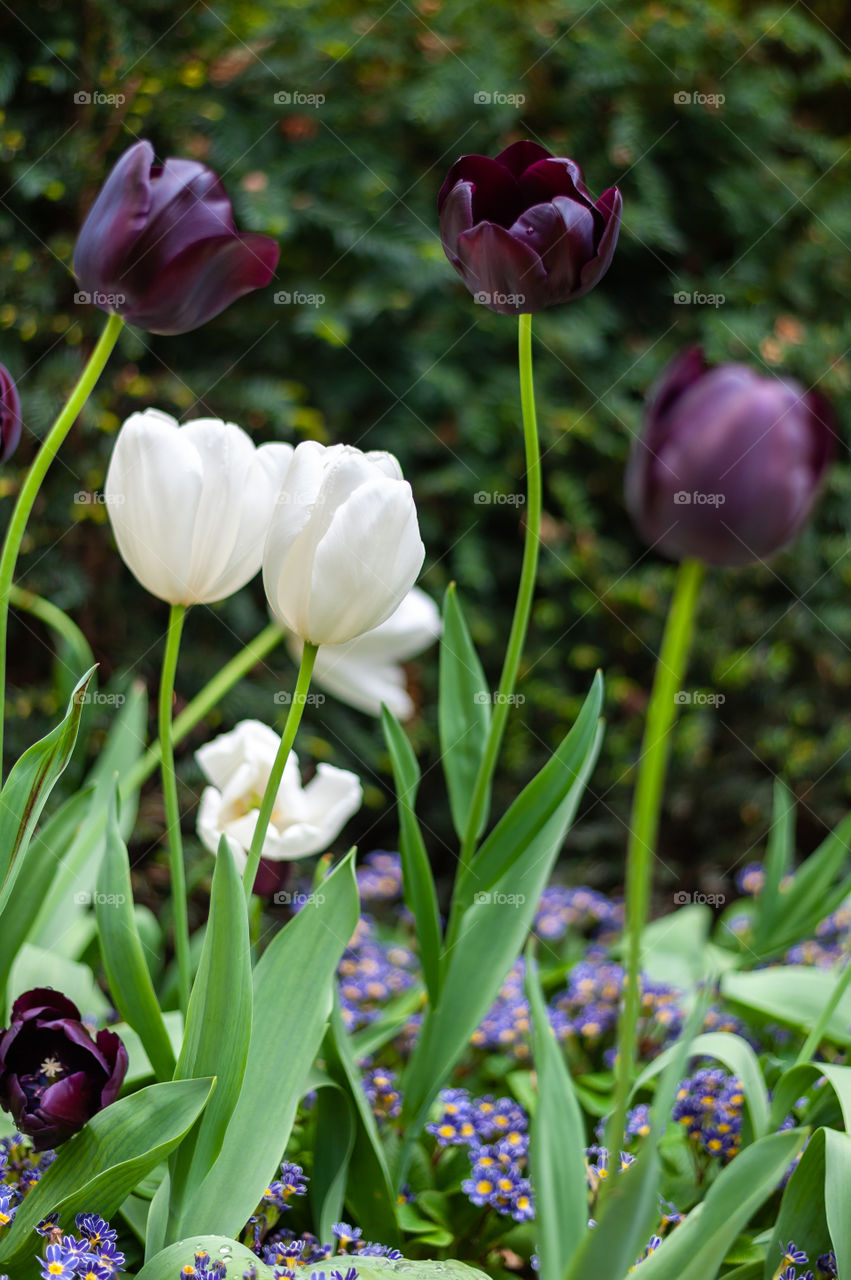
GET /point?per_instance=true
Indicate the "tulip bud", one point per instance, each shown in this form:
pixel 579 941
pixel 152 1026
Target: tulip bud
pixel 10 415
pixel 54 1075
pixel 729 464
pixel 367 672
pixel 305 820
pixel 344 546
pixel 522 230
pixel 160 246
pixel 190 505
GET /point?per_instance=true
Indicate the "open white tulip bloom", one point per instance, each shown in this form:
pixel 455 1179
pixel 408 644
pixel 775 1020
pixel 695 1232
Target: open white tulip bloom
pixel 190 505
pixel 367 671
pixel 305 820
pixel 344 546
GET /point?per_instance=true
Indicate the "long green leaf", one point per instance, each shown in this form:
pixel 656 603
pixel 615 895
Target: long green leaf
pixel 837 1179
pixel 28 786
pixel 557 1145
pixel 792 994
pixel 494 928
pixel 802 1216
pixel 463 712
pixel 123 957
pixel 778 863
pixel 333 1142
pixel 218 1030
pixel 35 967
pixel 794 1082
pixel 102 1164
pixel 696 1248
pixel 292 1000
pixel 417 879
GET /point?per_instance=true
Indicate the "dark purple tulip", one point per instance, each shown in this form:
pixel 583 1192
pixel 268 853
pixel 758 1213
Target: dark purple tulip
pixel 729 464
pixel 160 246
pixel 53 1075
pixel 523 232
pixel 10 415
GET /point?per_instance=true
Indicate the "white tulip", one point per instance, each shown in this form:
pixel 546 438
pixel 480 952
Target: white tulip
pixel 344 546
pixel 367 671
pixel 190 505
pixel 305 820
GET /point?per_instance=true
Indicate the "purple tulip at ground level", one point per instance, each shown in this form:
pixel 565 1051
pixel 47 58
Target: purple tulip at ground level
pixel 10 415
pixel 522 230
pixel 54 1075
pixel 160 246
pixel 729 464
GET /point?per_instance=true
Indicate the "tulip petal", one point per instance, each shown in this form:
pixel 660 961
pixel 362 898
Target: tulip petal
pixel 202 281
pixel 522 155
pixel 456 216
pixel 495 194
pixel 556 176
pixel 497 265
pixel 43 1000
pixel 594 271
pixel 115 220
pixel 219 758
pixel 188 204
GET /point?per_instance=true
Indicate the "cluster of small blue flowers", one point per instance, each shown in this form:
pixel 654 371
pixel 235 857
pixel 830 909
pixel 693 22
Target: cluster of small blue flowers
pixel 587 1009
pixel 750 880
pixel 206 1269
pixel 370 973
pixel 505 1027
pixel 494 1131
pixel 91 1253
pixel 382 1093
pixel 599 1165
pixel 709 1107
pixel 292 1182
pixel 586 910
pixel 20 1167
pixel 379 877
pixel 795 1258
pixel 829 946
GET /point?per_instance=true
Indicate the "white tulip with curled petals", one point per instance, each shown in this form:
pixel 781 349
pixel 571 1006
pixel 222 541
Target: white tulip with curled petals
pixel 344 546
pixel 190 505
pixel 305 819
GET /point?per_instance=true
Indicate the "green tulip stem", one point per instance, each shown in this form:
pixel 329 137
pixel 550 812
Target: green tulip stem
pixel 270 795
pixel 522 608
pixel 172 810
pixel 813 1040
pixel 29 490
pixel 211 694
pixel 644 826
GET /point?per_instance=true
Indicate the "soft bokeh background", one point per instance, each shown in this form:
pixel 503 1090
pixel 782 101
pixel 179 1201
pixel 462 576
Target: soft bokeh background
pixel 745 198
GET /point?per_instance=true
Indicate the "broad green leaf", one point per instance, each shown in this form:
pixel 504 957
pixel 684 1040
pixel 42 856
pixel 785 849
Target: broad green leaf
pixel 494 928
pixel 792 994
pixel 333 1142
pixel 696 1248
pixel 139 1069
pixel 68 887
pixel 293 985
pixel 557 1145
pixel 35 967
pixel 738 1056
pixel 778 863
pixel 121 949
pixel 802 1215
pixel 674 947
pixel 28 786
pixel 630 1202
pixel 417 878
pixel 562 778
pixel 167 1264
pixel 370 1188
pixel 463 712
pixel 218 1029
pixel 103 1163
pixel 837 1179
pixel 47 848
pixel 793 1083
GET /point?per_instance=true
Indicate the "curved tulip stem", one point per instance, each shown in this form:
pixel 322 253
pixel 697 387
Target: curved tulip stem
pixel 813 1040
pixel 270 795
pixel 644 825
pixel 172 810
pixel 29 490
pixel 519 623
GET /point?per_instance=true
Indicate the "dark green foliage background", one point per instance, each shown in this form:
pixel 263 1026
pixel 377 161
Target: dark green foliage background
pixel 748 199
